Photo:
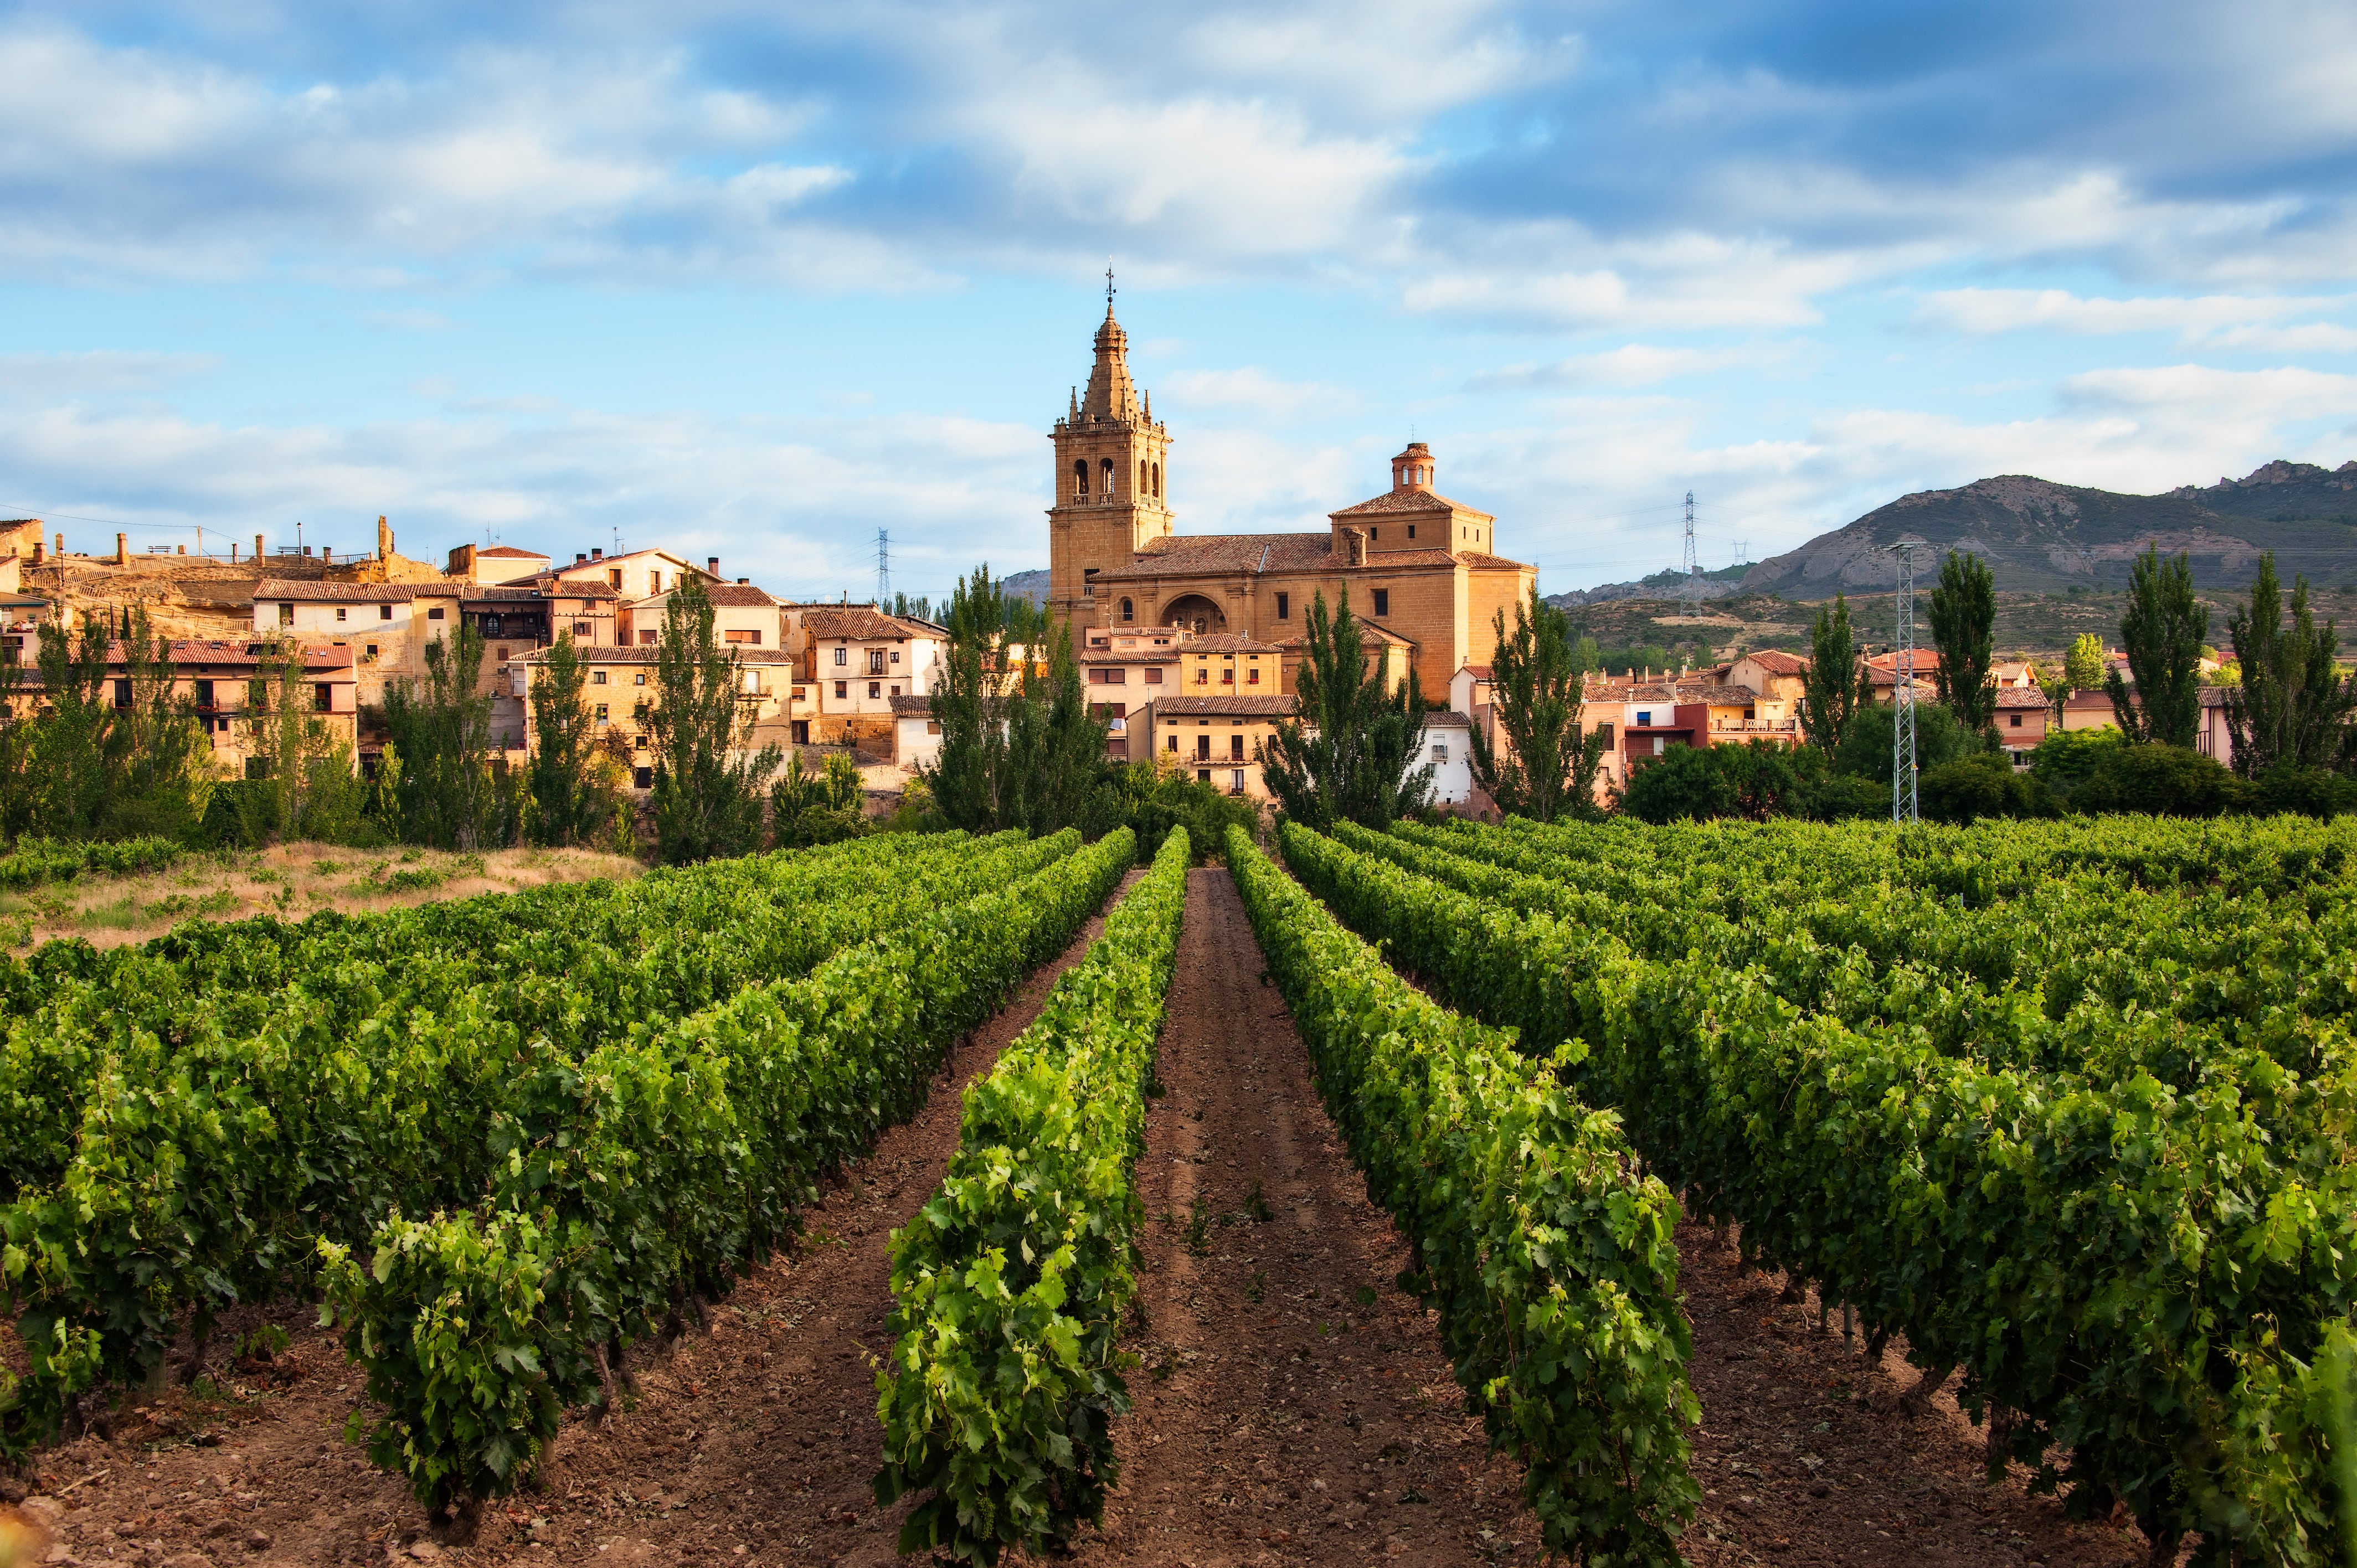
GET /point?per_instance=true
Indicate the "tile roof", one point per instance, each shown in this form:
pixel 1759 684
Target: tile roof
pixel 912 707
pixel 360 593
pixel 1226 552
pixel 1451 719
pixel 555 587
pixel 847 623
pixel 1226 642
pixel 1410 499
pixel 1482 561
pixel 1139 656
pixel 1776 662
pixel 731 595
pixel 504 552
pixel 599 653
pixel 1479 672
pixel 1370 636
pixel 1223 707
pixel 2021 697
pixel 503 594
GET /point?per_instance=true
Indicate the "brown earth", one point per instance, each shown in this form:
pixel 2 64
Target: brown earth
pixel 1291 1406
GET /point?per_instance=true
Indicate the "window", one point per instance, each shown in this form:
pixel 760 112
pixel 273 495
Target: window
pixel 1141 478
pixel 596 677
pixel 649 639
pixel 1235 749
pixel 122 693
pixel 638 743
pixel 643 777
pixel 1170 743
pixel 503 656
pixel 896 689
pixel 1252 676
pixel 1227 675
pixel 1411 530
pixel 1204 747
pixel 1285 607
pixel 654 582
pixel 843 688
pixel 875 662
pixel 751 638
pixel 1605 729
pixel 323 697
pixel 1128 611
pixel 1202 776
pixel 640 679
pixel 1080 478
pixel 1236 782
pixel 286 615
pixel 1153 675
pixel 384 612
pixel 1157 480
pixel 1203 675
pixel 841 657
pixel 204 694
pixel 1440 752
pixel 2014 720
pixel 614 577
pixel 1661 743
pixel 1115 677
pixel 580 627
pixel 1645 716
pixel 1373 534
pixel 1108 478
pixel 874 687
pixel 1383 601
pixel 340 612
pixel 599 712
pixel 434 614
pixel 932 727
pixel 896 654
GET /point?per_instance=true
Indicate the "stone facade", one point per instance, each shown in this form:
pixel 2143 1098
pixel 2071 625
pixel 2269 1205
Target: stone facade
pixel 1411 561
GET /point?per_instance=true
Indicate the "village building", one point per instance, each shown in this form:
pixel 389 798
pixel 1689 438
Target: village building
pixel 488 565
pixel 620 689
pixel 228 685
pixel 850 662
pixel 638 573
pixel 742 617
pixel 1124 671
pixel 1411 561
pixel 1217 736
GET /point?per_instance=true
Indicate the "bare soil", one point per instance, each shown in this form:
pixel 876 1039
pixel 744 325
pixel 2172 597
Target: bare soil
pixel 1291 1405
pixel 291 880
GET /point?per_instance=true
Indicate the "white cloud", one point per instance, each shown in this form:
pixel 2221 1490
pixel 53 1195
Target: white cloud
pixel 1634 365
pixel 35 378
pixel 1254 390
pixel 2244 323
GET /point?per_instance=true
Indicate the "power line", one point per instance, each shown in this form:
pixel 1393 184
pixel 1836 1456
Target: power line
pixel 1902 732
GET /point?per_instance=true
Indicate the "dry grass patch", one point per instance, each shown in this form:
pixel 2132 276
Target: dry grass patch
pixel 291 880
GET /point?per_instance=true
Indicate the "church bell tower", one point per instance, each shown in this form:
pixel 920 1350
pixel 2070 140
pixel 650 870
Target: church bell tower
pixel 1110 500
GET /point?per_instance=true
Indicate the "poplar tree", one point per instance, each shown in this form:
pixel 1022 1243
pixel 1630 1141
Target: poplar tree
pixel 708 789
pixel 1349 751
pixel 1020 746
pixel 2083 666
pixel 1838 685
pixel 1539 681
pixel 570 802
pixel 2161 634
pixel 1964 630
pixel 2293 707
pixel 442 728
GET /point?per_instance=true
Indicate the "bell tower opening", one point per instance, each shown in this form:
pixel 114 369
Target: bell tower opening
pixel 1110 508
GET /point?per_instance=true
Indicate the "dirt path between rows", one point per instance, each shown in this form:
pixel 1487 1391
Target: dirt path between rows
pixel 753 1443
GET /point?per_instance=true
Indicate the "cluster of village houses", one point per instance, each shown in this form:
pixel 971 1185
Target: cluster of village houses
pixel 1191 645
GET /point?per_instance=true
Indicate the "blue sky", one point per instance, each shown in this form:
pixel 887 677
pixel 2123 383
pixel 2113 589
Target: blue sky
pixel 759 280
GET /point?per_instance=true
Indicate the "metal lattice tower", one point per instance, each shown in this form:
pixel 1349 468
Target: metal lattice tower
pixel 1692 563
pixel 1902 732
pixel 883 568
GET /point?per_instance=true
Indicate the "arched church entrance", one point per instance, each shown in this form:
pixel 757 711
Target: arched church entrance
pixel 1195 613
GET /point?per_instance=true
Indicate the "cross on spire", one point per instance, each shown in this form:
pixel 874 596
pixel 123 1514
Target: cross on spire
pixel 1108 288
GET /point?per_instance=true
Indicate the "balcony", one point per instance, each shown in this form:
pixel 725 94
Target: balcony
pixel 1755 726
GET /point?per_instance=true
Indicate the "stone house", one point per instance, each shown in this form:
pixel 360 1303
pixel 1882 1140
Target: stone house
pixel 742 617
pixel 1216 737
pixel 638 573
pixel 618 688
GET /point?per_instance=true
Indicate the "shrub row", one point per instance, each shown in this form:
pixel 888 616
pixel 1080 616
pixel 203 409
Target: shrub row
pixel 201 1176
pixel 2147 1274
pixel 654 1169
pixel 1552 1260
pixel 35 861
pixel 1010 1285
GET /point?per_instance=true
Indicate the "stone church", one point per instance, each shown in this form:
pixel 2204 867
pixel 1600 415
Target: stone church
pixel 1415 564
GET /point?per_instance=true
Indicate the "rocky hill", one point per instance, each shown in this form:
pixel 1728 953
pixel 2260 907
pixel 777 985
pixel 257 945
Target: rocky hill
pixel 2041 537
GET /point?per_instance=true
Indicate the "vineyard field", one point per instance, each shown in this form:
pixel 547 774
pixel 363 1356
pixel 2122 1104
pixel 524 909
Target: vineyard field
pixel 1451 1193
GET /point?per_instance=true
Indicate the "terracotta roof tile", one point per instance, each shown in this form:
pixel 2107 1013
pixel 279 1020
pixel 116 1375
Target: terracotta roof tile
pixel 1224 707
pixel 2021 697
pixel 1448 720
pixel 1776 662
pixel 1139 656
pixel 852 623
pixel 601 654
pixel 1226 642
pixel 912 707
pixel 361 593
pixel 1410 500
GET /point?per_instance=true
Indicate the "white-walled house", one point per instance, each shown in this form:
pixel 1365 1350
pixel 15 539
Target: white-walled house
pixel 1448 746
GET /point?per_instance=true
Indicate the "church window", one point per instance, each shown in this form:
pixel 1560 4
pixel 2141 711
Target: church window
pixel 1411 530
pixel 1128 611
pixel 1108 478
pixel 1285 607
pixel 1383 601
pixel 1081 479
pixel 1142 488
pixel 1157 481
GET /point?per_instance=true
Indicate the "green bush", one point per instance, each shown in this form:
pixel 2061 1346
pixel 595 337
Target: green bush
pixel 1982 785
pixel 2068 758
pixel 2313 792
pixel 1696 783
pixel 1865 751
pixel 2163 782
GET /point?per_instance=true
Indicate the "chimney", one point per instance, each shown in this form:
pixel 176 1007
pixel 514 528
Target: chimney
pixel 741 581
pixel 233 553
pixel 578 558
pixel 597 553
pixel 37 550
pixel 121 550
pixel 184 550
pixel 257 548
pixel 712 564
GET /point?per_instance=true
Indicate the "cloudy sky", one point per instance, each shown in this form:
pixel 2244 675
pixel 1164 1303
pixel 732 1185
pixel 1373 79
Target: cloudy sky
pixel 760 280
